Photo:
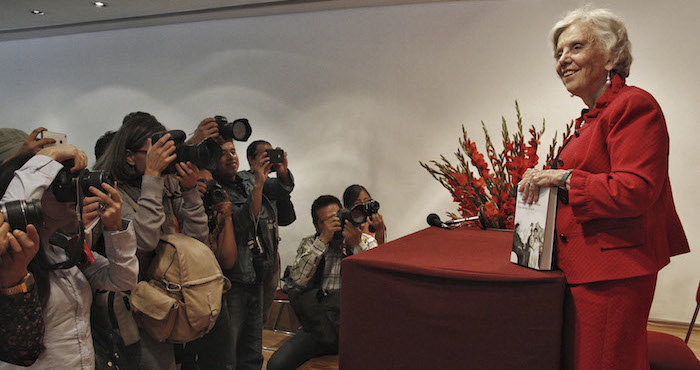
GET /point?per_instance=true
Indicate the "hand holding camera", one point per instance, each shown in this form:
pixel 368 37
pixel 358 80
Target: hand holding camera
pixel 278 158
pixel 208 128
pixel 188 175
pixel 261 167
pixel 63 153
pixel 160 155
pixel 352 234
pixel 328 228
pixel 110 207
pixel 17 249
pixel 33 143
pixel 91 206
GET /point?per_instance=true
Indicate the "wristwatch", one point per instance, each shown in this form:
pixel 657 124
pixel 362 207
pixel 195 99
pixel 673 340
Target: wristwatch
pixel 24 286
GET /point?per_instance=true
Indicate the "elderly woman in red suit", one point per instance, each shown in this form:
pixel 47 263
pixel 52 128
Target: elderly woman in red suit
pixel 616 221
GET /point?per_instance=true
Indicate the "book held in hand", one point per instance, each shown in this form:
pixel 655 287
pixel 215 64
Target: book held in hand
pixel 533 237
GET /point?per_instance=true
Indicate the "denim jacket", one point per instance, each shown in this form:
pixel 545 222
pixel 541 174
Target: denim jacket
pixel 277 210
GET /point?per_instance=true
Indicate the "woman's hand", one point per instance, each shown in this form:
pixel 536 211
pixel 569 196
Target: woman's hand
pixel 17 249
pixel 377 221
pixel 60 153
pixel 90 209
pixel 110 208
pixel 188 175
pixel 534 179
pixel 159 156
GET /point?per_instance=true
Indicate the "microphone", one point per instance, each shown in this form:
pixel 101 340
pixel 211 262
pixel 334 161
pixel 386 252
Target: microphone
pixel 434 220
pixel 461 220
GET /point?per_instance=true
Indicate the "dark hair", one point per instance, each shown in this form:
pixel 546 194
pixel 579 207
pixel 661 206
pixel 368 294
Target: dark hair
pixel 250 152
pixel 102 142
pixel 132 135
pixel 138 116
pixel 351 194
pixel 320 202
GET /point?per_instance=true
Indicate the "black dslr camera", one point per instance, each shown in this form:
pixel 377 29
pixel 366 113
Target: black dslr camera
pixel 238 130
pixel 20 213
pixel 67 185
pixel 214 194
pixel 203 155
pixel 357 216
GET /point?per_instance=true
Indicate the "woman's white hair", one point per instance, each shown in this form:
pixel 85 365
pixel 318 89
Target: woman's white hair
pixel 608 29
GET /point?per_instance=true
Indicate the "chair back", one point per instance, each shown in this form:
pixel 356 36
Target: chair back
pixel 695 315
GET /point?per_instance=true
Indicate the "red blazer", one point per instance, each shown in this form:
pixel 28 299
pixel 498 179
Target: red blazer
pixel 620 220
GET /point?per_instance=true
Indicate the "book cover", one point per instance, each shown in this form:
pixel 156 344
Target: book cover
pixel 533 236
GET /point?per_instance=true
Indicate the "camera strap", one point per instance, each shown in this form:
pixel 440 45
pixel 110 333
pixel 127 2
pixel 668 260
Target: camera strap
pixel 74 246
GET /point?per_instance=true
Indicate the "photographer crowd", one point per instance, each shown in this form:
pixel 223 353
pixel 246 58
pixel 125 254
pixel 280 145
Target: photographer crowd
pixel 165 255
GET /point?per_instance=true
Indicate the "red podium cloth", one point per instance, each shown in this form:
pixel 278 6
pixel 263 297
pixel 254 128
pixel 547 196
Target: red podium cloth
pixel 449 299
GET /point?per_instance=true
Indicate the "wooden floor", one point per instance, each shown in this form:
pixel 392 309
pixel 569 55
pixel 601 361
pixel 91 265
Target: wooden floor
pixel 272 341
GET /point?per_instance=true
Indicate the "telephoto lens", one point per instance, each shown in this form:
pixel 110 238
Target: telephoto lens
pixel 20 213
pixel 66 183
pixel 202 155
pixel 238 130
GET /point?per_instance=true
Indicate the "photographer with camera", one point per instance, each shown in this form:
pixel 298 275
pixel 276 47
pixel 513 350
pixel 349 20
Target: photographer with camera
pixel 276 204
pixel 358 196
pixel 313 283
pixel 65 272
pixel 154 201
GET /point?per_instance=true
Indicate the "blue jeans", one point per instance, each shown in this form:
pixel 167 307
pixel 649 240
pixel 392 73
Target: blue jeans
pixel 297 350
pixel 245 326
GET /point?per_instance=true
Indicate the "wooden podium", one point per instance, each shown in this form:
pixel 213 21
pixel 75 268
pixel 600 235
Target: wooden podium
pixel 449 299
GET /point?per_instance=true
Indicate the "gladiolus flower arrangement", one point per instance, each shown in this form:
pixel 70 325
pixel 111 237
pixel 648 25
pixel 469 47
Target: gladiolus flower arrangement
pixel 493 185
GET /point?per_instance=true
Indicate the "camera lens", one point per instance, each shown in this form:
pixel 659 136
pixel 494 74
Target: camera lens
pixel 95 178
pixel 358 215
pixel 20 213
pixel 241 130
pixel 208 153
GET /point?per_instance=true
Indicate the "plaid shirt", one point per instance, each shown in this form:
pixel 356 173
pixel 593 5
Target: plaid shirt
pixel 309 256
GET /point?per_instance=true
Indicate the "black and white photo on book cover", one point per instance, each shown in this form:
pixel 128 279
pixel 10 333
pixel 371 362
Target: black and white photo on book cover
pixel 533 235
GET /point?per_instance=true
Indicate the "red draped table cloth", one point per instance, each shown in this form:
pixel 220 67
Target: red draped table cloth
pixel 449 299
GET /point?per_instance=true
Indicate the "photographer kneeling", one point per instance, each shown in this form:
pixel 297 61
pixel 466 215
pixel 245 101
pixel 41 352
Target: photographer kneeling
pixel 316 273
pixel 65 272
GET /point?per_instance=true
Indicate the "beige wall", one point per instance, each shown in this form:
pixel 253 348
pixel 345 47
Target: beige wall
pixel 360 96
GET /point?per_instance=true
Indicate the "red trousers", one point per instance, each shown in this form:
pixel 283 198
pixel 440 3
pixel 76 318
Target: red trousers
pixel 605 324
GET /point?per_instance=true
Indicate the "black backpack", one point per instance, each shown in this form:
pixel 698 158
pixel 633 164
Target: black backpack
pixel 318 310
